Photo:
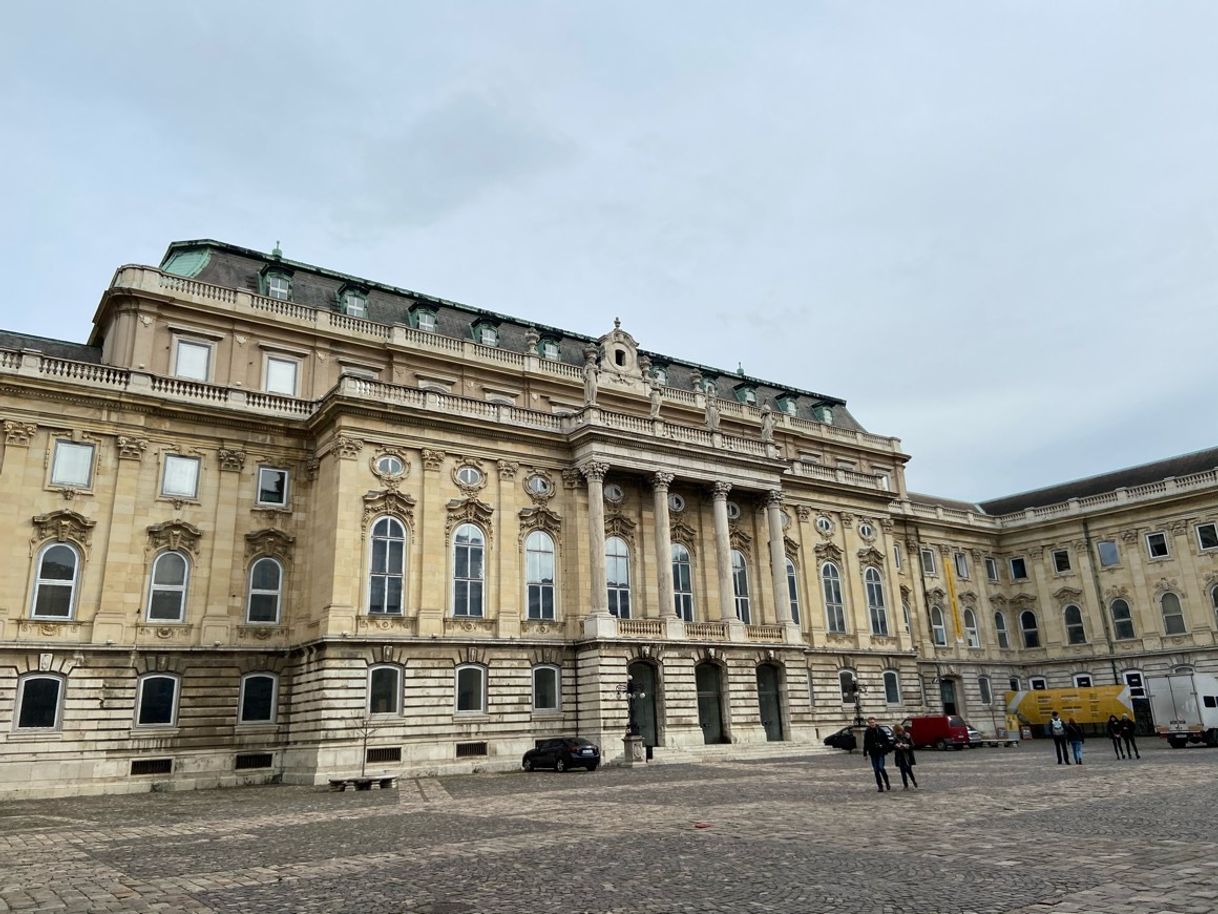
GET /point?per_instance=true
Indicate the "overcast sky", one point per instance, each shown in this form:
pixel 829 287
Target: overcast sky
pixel 991 227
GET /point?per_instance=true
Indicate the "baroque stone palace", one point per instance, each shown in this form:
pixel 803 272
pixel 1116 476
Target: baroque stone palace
pixel 276 522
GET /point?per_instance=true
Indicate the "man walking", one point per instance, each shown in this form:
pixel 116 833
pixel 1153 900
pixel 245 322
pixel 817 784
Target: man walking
pixel 875 747
pixel 1057 730
pixel 1128 734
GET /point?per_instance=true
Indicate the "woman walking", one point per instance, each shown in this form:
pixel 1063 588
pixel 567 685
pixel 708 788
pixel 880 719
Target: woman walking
pixel 1074 733
pixel 1114 734
pixel 1129 735
pixel 903 755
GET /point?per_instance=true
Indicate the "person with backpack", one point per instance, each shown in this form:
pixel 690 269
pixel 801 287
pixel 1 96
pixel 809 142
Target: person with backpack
pixel 1056 728
pixel 875 746
pixel 1074 733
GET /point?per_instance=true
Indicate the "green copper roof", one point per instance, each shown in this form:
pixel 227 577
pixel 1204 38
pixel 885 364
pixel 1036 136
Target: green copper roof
pixel 187 262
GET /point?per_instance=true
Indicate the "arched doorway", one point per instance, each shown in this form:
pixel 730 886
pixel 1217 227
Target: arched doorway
pixel 644 676
pixel 709 680
pixel 769 700
pixel 947 693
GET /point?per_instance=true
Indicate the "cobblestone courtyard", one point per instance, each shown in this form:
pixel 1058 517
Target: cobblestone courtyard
pixel 990 831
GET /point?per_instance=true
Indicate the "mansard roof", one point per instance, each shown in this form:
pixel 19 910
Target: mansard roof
pixel 1182 465
pixel 57 349
pixel 237 267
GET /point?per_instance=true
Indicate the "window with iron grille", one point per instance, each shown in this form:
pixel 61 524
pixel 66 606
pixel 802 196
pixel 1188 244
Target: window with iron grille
pixel 152 766
pixel 467 750
pixel 384 754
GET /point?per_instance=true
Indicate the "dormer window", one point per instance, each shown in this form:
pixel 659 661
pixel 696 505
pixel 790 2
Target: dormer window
pixel 710 386
pixel 485 332
pixel 548 349
pixel 745 393
pixel 823 414
pixel 788 405
pixel 423 318
pixel 354 302
pixel 279 285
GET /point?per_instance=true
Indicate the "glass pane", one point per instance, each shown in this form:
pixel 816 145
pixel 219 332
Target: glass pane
pixel 54 600
pixel 461 598
pixel 393 595
pixel 257 700
pixel 547 603
pixel 380 549
pixel 192 361
pixel 156 700
pixel 462 562
pixel 166 605
pixel 181 476
pixel 382 697
pixel 281 377
pixel 469 689
pixel 534 602
pixel 397 550
pixel 475 598
pixel 39 703
pixel 475 563
pixel 264 607
pixel 58 564
pixel 73 464
pixel 376 595
pixel 170 570
pixel 272 486
pixel 545 689
pixel 265 575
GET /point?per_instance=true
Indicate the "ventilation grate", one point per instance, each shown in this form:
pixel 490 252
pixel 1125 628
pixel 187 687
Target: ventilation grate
pixel 152 766
pixel 254 760
pixel 470 750
pixel 385 754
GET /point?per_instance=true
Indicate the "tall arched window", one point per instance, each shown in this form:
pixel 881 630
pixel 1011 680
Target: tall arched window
pixel 835 609
pixel 469 547
pixel 849 685
pixel 682 583
pixel 1173 614
pixel 539 562
pixel 387 569
pixel 471 689
pixel 1073 617
pixel 545 688
pixel 793 591
pixel 892 688
pixel 385 689
pixel 875 601
pixel 1000 630
pixel 1122 620
pixel 39 702
pixel 987 692
pixel 938 631
pixel 1031 633
pixel 58 569
pixel 617 576
pixel 156 701
pixel 257 702
pixel 265 591
pixel 971 634
pixel 740 586
pixel 167 590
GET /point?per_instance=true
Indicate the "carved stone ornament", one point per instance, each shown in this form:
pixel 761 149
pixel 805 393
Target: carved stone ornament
pixel 888 525
pixel 539 518
pixel 507 468
pixel 432 460
pixel 1067 594
pixel 348 448
pixel 998 600
pixel 175 534
pixel 572 478
pixel 1116 593
pixel 828 552
pixel 18 434
pixel 1129 536
pixel 387 501
pixel 720 489
pixel 269 542
pixel 1023 599
pixel 661 481
pixel 63 525
pixel 871 556
pixel 594 469
pixel 773 498
pixel 683 533
pixel 847 520
pixel 740 540
pixel 131 448
pixel 936 594
pixel 231 460
pixel 539 486
pixel 1179 527
pixel 790 547
pixel 312 467
pixel 618 525
pixel 1168 585
pixel 256 632
pixel 804 512
pixel 468 510
pixel 472 483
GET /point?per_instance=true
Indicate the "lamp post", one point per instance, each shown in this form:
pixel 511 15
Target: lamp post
pixel 859 689
pixel 632 742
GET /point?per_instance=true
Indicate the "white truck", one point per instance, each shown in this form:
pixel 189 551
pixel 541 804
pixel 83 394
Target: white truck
pixel 1185 708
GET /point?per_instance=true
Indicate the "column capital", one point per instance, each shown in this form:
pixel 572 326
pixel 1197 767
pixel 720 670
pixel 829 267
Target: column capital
pixel 720 489
pixel 594 469
pixel 773 498
pixel 661 481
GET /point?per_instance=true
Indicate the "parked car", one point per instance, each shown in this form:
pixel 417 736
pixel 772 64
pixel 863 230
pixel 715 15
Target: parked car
pixel 845 739
pixel 561 754
pixel 941 731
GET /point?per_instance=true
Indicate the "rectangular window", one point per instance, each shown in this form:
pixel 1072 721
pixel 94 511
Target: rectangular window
pixel 991 570
pixel 983 687
pixel 928 561
pixel 72 465
pixel 279 287
pixel 192 360
pixel 272 487
pixel 281 376
pixel 426 321
pixel 181 478
pixel 1061 560
pixel 1019 569
pixel 1038 684
pixel 1156 545
pixel 487 336
pixel 1137 686
pixel 549 349
pixel 1014 684
pixel 258 700
pixel 157 702
pixel 1108 553
pixel 896 555
pixel 961 561
pixel 1207 536
pixel 1082 681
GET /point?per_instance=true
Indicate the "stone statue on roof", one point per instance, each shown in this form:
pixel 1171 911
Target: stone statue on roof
pixel 712 413
pixel 656 399
pixel 590 376
pixel 767 424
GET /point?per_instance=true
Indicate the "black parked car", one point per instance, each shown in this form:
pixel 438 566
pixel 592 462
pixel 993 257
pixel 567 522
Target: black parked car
pixel 844 738
pixel 561 754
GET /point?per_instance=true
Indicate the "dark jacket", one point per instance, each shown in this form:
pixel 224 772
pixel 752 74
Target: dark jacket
pixel 1074 733
pixel 1114 728
pixel 1128 727
pixel 875 742
pixel 903 751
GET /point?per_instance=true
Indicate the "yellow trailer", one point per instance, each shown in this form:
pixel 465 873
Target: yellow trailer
pixel 1087 706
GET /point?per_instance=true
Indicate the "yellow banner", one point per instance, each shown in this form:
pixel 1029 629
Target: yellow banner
pixel 950 575
pixel 1086 706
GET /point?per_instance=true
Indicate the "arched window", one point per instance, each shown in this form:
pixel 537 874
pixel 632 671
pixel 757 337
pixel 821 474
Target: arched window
pixel 39 702
pixel 617 576
pixel 387 568
pixel 258 692
pixel 1214 597
pixel 971 634
pixel 849 684
pixel 1173 614
pixel 469 547
pixel 987 692
pixel 793 591
pixel 1122 620
pixel 545 688
pixel 905 613
pixel 167 591
pixel 384 689
pixel 1031 633
pixel 471 689
pixel 875 601
pixel 892 688
pixel 156 700
pixel 682 583
pixel 938 631
pixel 58 569
pixel 740 585
pixel 539 562
pixel 835 609
pixel 265 592
pixel 1075 633
pixel 1000 631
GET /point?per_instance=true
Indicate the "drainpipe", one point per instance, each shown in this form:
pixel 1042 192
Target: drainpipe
pixel 1099 596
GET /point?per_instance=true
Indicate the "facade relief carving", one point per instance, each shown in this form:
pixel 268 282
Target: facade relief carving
pixel 231 460
pixel 174 535
pixel 539 517
pixel 572 478
pixel 468 510
pixel 432 459
pixel 740 540
pixel 1067 594
pixel 269 542
pixel 828 552
pixel 507 468
pixel 619 525
pixel 871 556
pixel 131 448
pixel 347 448
pixel 63 525
pixel 387 501
pixel 683 533
pixel 18 434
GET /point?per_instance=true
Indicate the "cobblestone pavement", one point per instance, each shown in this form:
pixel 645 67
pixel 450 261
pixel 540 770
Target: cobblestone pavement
pixel 995 830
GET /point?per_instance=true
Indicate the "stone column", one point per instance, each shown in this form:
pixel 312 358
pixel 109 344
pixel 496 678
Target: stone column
pixel 660 483
pixel 594 473
pixel 778 557
pixel 723 553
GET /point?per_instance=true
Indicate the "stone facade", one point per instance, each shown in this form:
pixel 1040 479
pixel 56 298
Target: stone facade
pixel 258 538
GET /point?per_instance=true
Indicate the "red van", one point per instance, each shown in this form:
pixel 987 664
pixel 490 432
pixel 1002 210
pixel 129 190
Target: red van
pixel 940 731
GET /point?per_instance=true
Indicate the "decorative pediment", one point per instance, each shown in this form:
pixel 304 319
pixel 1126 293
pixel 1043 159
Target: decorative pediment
pixel 683 533
pixel 388 501
pixel 269 542
pixel 968 596
pixel 1167 585
pixel 1067 594
pixel 998 600
pixel 539 517
pixel 63 525
pixel 905 592
pixel 619 525
pixel 871 556
pixel 1023 598
pixel 790 547
pixel 828 552
pixel 175 534
pixel 740 540
pixel 231 459
pixel 936 594
pixel 1122 592
pixel 468 510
